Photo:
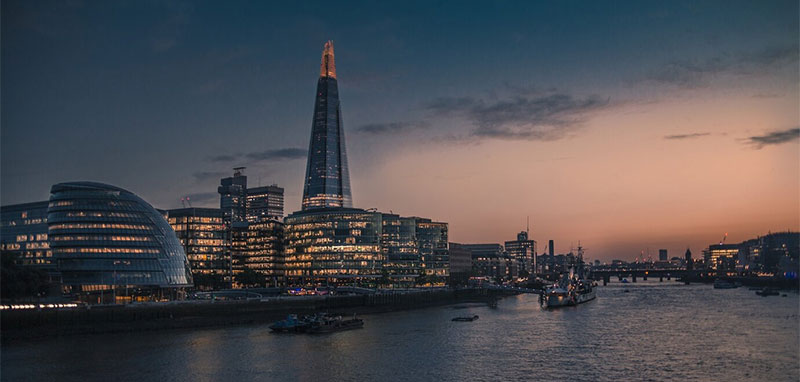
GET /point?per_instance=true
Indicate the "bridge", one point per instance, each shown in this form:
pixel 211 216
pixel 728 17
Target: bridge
pixel 644 274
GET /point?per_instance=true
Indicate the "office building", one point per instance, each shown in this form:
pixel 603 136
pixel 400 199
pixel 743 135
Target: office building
pixel 259 247
pixel 107 239
pixel 264 203
pixel 523 250
pixel 334 246
pixel 460 259
pixel 662 255
pixel 23 235
pixel 206 242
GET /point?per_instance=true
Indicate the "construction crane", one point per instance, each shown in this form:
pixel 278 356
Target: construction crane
pixel 723 239
pixel 185 201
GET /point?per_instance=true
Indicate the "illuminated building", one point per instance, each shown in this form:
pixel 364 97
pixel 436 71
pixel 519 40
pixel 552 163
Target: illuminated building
pixel 264 203
pixel 258 246
pixel 399 246
pixel 233 197
pixel 335 246
pixel 327 181
pixel 23 229
pixel 432 243
pixel 108 239
pixel 523 250
pixel 722 256
pixel 205 240
pixel 491 260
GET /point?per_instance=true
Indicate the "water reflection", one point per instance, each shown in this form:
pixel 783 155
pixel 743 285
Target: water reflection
pixel 658 331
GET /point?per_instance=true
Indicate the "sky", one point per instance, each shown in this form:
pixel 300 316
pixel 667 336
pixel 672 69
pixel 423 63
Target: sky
pixel 627 126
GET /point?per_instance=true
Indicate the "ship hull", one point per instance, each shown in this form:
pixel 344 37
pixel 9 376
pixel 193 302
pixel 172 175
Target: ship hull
pixel 558 300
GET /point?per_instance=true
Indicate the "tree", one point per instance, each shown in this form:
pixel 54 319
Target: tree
pixel 251 278
pixel 19 282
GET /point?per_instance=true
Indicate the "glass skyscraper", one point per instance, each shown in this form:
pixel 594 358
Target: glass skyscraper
pixel 327 182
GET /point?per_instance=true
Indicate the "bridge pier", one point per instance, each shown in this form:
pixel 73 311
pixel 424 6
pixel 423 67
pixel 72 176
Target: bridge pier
pixel 606 280
pixel 661 279
pixel 634 278
pixel 644 277
pixel 620 277
pixel 669 277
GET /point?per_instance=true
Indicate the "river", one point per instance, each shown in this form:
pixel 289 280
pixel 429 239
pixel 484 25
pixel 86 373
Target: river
pixel 659 331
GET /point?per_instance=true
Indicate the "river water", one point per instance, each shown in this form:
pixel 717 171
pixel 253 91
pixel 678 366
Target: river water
pixel 655 331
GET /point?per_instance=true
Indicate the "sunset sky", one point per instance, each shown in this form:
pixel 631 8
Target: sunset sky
pixel 625 125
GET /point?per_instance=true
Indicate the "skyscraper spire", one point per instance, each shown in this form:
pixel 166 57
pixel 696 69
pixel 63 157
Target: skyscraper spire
pixel 327 183
pixel 327 67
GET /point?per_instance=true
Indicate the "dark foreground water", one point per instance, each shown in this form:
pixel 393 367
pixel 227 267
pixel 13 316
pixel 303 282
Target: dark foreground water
pixel 656 331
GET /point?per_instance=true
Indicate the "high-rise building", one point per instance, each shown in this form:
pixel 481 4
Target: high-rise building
pixel 233 197
pixel 23 235
pixel 205 239
pixel 524 251
pixel 662 255
pixel 327 181
pixel 460 260
pixel 264 203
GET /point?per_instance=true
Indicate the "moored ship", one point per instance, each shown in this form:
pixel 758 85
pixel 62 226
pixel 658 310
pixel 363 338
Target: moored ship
pixel 571 290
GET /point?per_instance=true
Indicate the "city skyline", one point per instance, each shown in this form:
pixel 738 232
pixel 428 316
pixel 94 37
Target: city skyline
pixel 480 143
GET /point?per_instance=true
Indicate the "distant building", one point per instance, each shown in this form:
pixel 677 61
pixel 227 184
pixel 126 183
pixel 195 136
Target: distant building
pixel 662 255
pixel 688 259
pixel 493 261
pixel 233 197
pixel 107 239
pixel 523 250
pixel 722 256
pixel 23 235
pixel 460 259
pixel 206 241
pixel 264 203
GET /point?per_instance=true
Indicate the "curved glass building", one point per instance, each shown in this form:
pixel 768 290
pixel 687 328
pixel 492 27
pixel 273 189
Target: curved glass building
pixel 105 237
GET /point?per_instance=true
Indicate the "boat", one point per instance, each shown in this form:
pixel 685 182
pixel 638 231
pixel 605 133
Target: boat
pixel 324 323
pixel 571 290
pixel 465 318
pixel 724 284
pixel 290 324
pixel 768 292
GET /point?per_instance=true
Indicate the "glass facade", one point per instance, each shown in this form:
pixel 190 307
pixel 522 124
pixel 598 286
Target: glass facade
pixel 259 247
pixel 334 245
pixel 202 233
pixel 399 245
pixel 104 236
pixel 327 181
pixel 23 231
pixel 264 203
pixel 432 243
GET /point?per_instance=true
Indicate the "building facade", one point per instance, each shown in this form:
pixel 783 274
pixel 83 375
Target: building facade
pixel 23 235
pixel 334 246
pixel 206 242
pixel 259 247
pixel 233 197
pixel 523 250
pixel 107 239
pixel 264 203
